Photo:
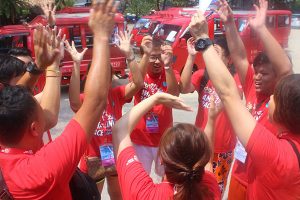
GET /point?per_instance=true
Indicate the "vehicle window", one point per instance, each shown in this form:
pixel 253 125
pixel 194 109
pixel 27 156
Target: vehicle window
pixel 242 24
pixel 10 41
pixel 270 21
pixel 218 28
pixel 283 20
pixel 168 32
pixel 75 35
pixel 89 37
pixel 141 23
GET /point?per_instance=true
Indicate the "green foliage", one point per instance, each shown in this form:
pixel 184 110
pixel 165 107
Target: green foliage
pixel 140 7
pixel 12 10
pixel 64 3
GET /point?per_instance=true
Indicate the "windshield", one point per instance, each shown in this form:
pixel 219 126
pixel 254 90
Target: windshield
pixel 142 23
pixel 11 41
pixel 168 32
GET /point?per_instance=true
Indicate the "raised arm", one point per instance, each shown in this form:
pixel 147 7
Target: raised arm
pixel 146 46
pixel 99 77
pixel 167 59
pixel 242 121
pixel 137 78
pixel 74 87
pixel 278 58
pixel 236 46
pixel 125 125
pixel 49 11
pixel 186 85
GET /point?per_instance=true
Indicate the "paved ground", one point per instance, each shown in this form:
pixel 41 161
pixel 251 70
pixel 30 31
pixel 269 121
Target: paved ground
pixel 190 99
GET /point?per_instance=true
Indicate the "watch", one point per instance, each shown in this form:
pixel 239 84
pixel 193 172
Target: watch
pixel 202 44
pixel 32 68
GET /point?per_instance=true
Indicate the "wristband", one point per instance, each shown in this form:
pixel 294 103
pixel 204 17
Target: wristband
pixel 57 72
pixel 131 58
pixel 167 67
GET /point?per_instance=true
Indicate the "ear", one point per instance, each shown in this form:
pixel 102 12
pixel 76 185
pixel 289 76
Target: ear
pixel 35 129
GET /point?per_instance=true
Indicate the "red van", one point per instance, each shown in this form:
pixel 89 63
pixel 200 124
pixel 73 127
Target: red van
pixel 176 32
pixel 75 26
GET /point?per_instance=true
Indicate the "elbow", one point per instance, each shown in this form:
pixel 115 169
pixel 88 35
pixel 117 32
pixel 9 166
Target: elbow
pixel 74 106
pixel 51 120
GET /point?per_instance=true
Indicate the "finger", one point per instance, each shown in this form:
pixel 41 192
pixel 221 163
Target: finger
pixel 84 51
pixel 121 35
pixel 131 35
pixel 109 6
pixel 68 47
pixel 115 7
pixel 54 9
pixel 73 44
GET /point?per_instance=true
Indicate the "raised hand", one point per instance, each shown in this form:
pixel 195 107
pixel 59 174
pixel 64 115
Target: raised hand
pixel 198 26
pixel 125 45
pixel 49 10
pixel 76 56
pixel 167 55
pixel 191 46
pixel 171 101
pixel 102 17
pixel 46 46
pixel 147 44
pixel 225 12
pixel 259 20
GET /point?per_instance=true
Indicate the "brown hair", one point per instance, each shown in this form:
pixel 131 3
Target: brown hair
pixel 287 103
pixel 184 151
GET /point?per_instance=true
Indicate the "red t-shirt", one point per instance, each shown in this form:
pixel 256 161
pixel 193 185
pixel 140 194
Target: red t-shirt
pixel 258 106
pixel 103 132
pixel 225 139
pixel 135 183
pixel 140 135
pixel 45 174
pixel 273 171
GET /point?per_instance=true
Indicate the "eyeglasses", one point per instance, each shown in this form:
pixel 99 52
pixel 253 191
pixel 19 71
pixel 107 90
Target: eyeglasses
pixel 153 58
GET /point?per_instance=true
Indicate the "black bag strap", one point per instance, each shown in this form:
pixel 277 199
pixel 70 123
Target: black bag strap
pixel 4 193
pixel 295 150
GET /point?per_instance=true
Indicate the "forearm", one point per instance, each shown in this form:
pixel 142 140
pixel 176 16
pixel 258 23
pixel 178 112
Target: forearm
pixel 143 64
pixel 279 59
pixel 74 88
pixel 137 76
pixel 172 84
pixel 209 132
pixel 237 50
pixel 186 85
pixel 125 125
pixel 50 100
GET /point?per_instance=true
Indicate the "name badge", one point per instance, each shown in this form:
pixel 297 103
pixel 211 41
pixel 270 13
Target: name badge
pixel 107 155
pixel 240 152
pixel 152 123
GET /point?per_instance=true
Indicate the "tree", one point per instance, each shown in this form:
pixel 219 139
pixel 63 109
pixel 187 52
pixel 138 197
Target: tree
pixel 12 10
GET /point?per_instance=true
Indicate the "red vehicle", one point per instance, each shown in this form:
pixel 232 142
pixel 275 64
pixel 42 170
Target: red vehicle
pixel 75 26
pixel 176 32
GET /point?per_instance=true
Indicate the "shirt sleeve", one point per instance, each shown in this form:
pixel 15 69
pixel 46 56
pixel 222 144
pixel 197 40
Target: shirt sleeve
pixel 134 182
pixel 249 81
pixel 197 77
pixel 57 160
pixel 120 93
pixel 269 156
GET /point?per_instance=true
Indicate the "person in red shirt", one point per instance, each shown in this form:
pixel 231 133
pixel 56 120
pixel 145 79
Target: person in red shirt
pixel 271 155
pixel 225 140
pixel 184 152
pixel 258 82
pixel 156 68
pixel 35 172
pixel 100 149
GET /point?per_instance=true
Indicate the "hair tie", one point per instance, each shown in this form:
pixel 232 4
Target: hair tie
pixel 196 175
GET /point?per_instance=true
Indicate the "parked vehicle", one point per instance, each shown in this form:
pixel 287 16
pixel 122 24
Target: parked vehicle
pixel 295 21
pixel 75 26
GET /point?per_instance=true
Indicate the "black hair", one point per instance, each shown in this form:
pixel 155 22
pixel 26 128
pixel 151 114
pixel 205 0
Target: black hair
pixel 10 67
pixel 17 108
pixel 260 59
pixel 18 51
pixel 222 42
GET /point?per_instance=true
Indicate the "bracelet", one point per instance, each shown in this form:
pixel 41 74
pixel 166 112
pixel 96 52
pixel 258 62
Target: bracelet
pixel 52 76
pixel 53 70
pixel 167 67
pixel 131 58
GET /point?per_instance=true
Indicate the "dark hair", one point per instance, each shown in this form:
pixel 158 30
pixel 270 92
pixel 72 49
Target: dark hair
pixel 261 58
pixel 287 103
pixel 222 42
pixel 18 51
pixel 156 42
pixel 17 107
pixel 185 151
pixel 10 67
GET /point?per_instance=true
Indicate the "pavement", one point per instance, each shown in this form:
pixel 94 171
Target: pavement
pixel 191 99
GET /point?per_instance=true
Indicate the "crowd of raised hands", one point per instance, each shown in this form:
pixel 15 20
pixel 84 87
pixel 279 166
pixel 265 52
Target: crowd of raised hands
pixel 183 152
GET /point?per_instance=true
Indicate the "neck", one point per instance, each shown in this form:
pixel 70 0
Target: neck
pixel 26 145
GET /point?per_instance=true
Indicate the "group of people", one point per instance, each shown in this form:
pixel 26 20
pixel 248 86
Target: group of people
pixel 259 139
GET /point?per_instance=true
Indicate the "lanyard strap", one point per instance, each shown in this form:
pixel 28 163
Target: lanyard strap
pixel 295 150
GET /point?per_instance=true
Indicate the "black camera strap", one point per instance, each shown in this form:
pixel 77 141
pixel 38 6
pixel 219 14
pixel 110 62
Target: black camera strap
pixel 4 193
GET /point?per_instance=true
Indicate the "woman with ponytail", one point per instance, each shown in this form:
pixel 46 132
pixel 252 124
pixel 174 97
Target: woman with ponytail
pixel 184 150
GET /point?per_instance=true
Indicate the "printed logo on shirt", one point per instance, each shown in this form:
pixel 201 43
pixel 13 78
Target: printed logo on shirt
pixel 105 124
pixel 149 89
pixel 255 113
pixel 131 160
pixel 207 91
